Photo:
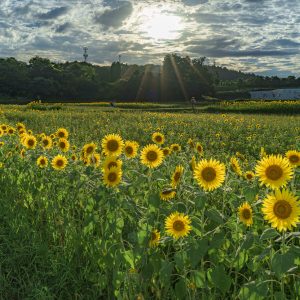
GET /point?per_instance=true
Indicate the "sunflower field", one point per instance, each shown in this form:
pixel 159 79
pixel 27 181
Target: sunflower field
pixel 111 204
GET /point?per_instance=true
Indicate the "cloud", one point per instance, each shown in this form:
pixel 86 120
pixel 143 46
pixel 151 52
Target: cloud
pixel 53 13
pixel 194 2
pixel 63 27
pixel 115 17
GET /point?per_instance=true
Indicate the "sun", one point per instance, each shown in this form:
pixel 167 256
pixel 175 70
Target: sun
pixel 159 25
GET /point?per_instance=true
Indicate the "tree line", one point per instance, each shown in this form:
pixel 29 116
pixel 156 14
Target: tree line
pixel 177 79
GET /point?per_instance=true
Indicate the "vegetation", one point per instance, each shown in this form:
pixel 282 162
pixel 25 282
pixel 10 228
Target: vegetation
pixel 144 222
pixel 178 79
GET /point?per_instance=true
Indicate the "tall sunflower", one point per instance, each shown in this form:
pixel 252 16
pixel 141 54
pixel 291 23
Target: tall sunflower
pixel 210 174
pixel 294 157
pixel 151 156
pixel 112 144
pixel 154 238
pixel 274 171
pixel 178 225
pixel 281 209
pixel 176 176
pixel 112 177
pixel 42 162
pixel 158 138
pixel 59 162
pixel 245 214
pixel 131 149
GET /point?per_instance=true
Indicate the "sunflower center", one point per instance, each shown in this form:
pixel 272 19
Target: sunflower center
pixel 209 174
pixel 282 209
pixel 178 225
pixel 30 142
pixel 45 142
pixel 153 236
pixel 112 145
pixel 152 156
pixel 294 158
pixel 112 177
pixel 62 145
pixel 61 134
pixel 274 172
pixel 158 138
pixel 112 164
pixel 199 148
pixel 246 213
pixel 176 176
pixel 129 150
pixel 249 176
pixel 89 149
pixel 166 193
pixel 175 148
pixel 59 162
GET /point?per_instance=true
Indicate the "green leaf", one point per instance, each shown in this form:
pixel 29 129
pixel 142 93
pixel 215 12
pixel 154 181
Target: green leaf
pixel 248 241
pixel 199 279
pixel 220 279
pixel 128 256
pixel 215 216
pixel 281 263
pixel 269 233
pixel 180 289
pixel 165 272
pixel 241 259
pixel 197 251
pixel 250 194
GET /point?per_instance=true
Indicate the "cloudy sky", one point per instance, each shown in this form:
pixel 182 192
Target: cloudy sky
pixel 261 36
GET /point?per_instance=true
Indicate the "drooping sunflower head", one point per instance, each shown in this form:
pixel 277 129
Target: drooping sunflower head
pixel 89 149
pixel 111 161
pixel 249 175
pixel 235 166
pixel 46 142
pixel 112 144
pixel 131 149
pixel 176 176
pixel 281 209
pixel 245 214
pixel 154 238
pixel 175 148
pixel 158 138
pixel 59 162
pixel 112 177
pixel 152 156
pixel 210 174
pixel 63 145
pixel 42 162
pixel 199 148
pixel 167 194
pixel 62 133
pixel 178 225
pixel 294 157
pixel 30 141
pixel 274 171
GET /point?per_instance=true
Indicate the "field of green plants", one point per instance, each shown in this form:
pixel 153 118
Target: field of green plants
pixel 209 210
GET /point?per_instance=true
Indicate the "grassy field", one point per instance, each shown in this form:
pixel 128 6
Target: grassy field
pixel 66 234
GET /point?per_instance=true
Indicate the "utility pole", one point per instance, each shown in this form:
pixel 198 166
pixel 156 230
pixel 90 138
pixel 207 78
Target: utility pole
pixel 85 54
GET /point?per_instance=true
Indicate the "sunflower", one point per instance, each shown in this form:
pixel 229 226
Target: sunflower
pixel 199 148
pixel 210 174
pixel 175 147
pixel 262 153
pixel 177 225
pixel 22 131
pixel 112 144
pixel 93 160
pixel 176 176
pixel 63 145
pixel 152 156
pixel 62 133
pixel 89 149
pixel 130 149
pixel 294 157
pixel 1 132
pixel 1 144
pixel 281 209
pixel 59 162
pixel 46 142
pixel 29 132
pixel 193 163
pixel 112 177
pixel 158 138
pixel 30 141
pixel 191 143
pixel 112 161
pixel 4 127
pixel 245 214
pixel 235 165
pixel 166 151
pixel 274 171
pixel 167 194
pixel 249 175
pixel 11 131
pixel 42 162
pixel 74 157
pixel 154 238
pixel 20 126
pixel 22 153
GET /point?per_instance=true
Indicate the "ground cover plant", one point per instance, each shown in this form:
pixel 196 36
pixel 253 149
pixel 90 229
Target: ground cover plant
pixel 105 204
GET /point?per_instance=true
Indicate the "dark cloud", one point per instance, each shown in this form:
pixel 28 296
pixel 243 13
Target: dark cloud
pixel 53 13
pixel 63 27
pixel 115 17
pixel 284 43
pixel 194 2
